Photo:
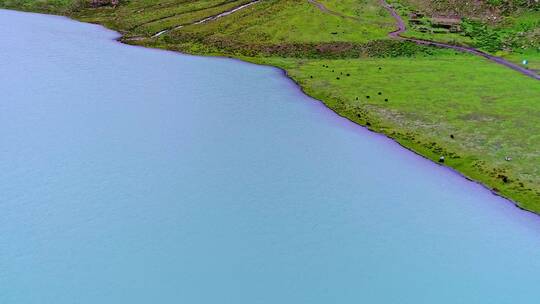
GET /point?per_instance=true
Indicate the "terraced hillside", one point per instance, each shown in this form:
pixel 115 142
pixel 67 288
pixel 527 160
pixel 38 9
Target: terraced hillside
pixel 482 118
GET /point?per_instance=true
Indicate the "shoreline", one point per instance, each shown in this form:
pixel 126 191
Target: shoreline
pixel 394 140
pixel 286 74
pixel 253 60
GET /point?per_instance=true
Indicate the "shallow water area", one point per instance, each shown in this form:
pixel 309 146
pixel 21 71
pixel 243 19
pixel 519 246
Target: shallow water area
pixel 131 175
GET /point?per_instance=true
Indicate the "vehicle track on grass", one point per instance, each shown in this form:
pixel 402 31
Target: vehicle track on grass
pixel 323 8
pixel 402 28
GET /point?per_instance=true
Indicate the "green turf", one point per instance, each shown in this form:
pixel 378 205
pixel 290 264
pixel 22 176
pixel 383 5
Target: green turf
pixel 47 6
pixel 439 103
pixel 532 56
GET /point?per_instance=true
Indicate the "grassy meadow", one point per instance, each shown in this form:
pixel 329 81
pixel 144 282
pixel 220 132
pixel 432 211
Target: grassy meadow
pixel 484 119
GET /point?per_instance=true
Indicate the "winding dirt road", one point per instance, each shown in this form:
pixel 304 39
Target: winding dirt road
pixel 328 11
pixel 402 28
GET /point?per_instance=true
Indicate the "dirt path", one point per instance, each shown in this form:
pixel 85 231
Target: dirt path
pixel 211 18
pixel 402 28
pixel 326 10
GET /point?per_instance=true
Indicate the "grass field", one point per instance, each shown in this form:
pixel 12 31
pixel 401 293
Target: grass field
pixel 438 103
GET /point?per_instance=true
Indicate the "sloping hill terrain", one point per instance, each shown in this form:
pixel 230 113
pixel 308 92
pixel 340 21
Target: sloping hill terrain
pixel 508 28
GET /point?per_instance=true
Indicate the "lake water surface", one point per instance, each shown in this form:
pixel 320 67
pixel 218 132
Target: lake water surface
pixel 130 175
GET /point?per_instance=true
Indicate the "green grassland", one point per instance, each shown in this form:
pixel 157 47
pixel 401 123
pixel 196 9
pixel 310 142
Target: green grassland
pixel 46 6
pixel 435 102
pixel 276 22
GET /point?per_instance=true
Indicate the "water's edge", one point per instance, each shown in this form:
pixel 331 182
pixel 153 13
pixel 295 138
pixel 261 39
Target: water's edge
pixel 247 60
pixel 451 169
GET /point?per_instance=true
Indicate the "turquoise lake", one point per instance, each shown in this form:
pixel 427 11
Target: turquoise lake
pixel 131 175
